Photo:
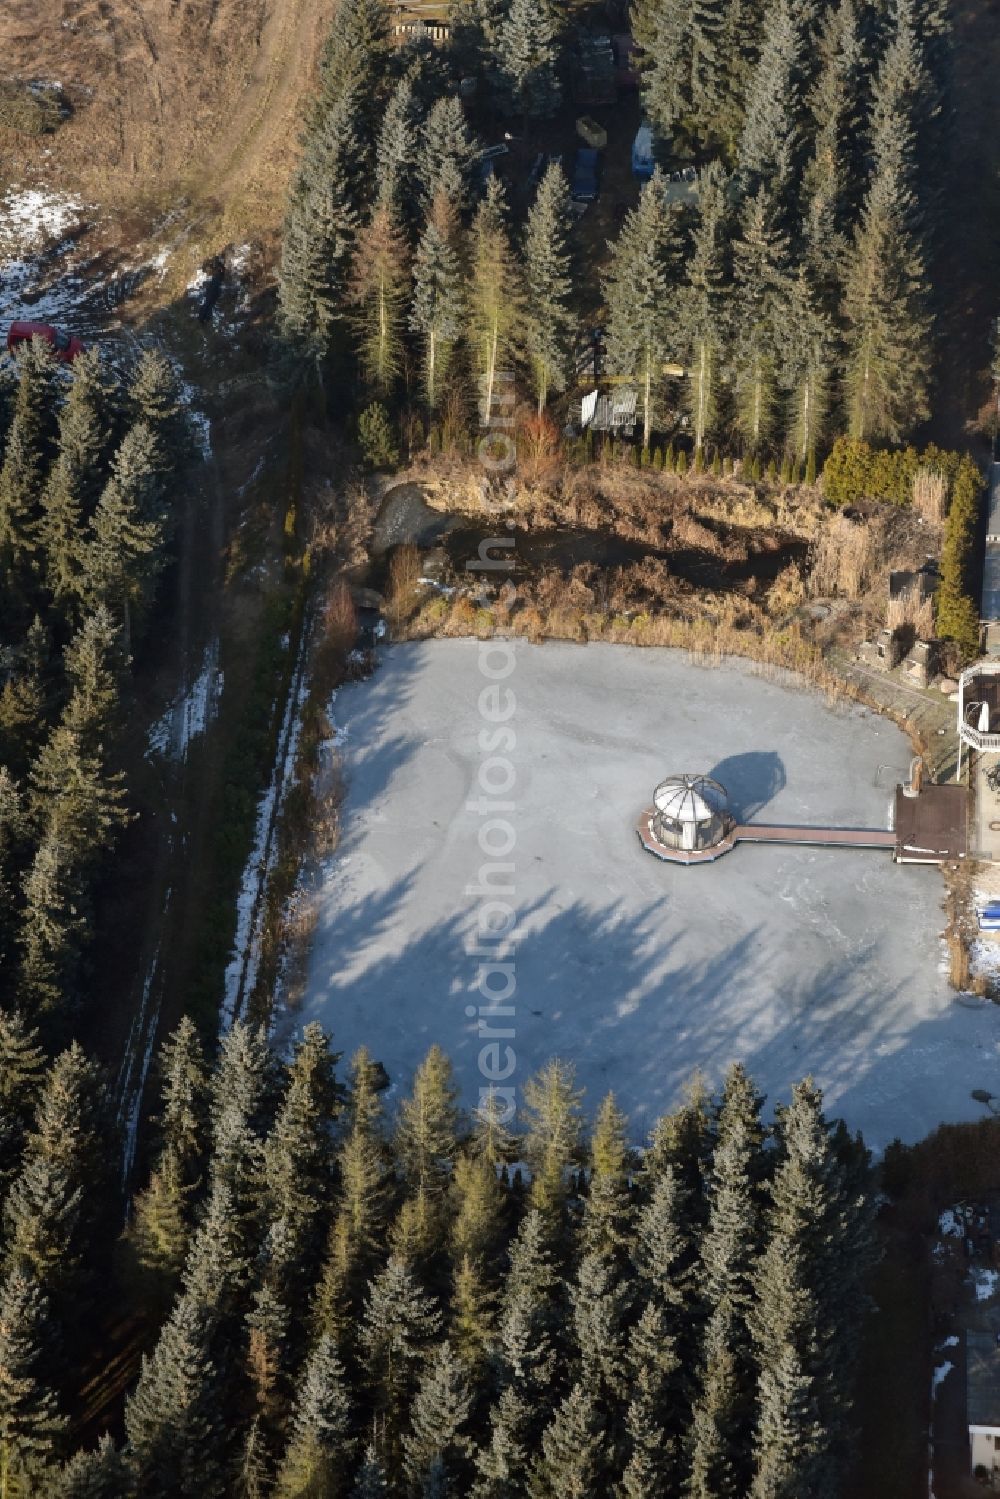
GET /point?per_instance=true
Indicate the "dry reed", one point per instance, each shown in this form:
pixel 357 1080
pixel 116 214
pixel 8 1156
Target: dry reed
pixel 930 494
pixel 910 610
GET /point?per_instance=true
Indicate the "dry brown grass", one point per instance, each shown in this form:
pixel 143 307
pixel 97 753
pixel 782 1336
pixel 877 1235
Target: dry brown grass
pixel 910 611
pixel 845 557
pixel 930 495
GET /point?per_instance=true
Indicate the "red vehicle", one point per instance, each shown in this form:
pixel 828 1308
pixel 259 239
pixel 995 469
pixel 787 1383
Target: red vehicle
pixel 64 346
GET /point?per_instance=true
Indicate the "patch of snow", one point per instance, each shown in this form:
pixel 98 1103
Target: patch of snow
pixel 241 972
pixel 197 281
pixel 31 219
pixel 940 1375
pixel 984 1283
pixel 189 716
pixel 984 958
pixel 949 1225
pixel 258 470
pixel 951 1342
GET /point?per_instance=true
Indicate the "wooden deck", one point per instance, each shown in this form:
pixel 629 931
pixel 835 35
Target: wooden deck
pixel 816 837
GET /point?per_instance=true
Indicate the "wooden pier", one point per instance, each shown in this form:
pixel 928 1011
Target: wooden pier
pixel 816 837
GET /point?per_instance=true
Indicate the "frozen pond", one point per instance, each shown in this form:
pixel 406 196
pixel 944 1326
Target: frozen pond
pixel 794 960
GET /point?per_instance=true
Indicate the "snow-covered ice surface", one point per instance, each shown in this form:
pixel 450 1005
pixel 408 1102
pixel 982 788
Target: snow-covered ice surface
pixel 190 715
pixel 795 960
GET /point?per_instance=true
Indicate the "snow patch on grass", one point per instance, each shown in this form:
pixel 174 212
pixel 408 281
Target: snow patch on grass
pixel 950 1225
pixel 199 421
pixel 31 219
pixel 984 1283
pixel 189 716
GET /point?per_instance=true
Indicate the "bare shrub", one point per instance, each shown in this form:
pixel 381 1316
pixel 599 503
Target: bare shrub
pixel 930 495
pixel 539 449
pixel 404 573
pixel 786 592
pixel 910 610
pixel 844 558
pixel 336 634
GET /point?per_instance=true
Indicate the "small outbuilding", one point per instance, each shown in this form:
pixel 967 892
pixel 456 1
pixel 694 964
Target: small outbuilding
pixel 642 154
pixel 982 1380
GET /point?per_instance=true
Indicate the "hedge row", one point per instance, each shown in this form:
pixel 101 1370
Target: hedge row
pixel 856 471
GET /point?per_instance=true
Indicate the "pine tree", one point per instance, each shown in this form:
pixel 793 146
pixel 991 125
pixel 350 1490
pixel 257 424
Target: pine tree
pixel 723 1417
pixel 242 1111
pixel 24 702
pixel 494 299
pixel 769 143
pixel 662 29
pixel 438 1423
pixel 638 298
pixel 704 305
pixel 884 288
pixel 396 150
pixel 315 1462
pixel 218 1269
pixel 90 662
pixel 399 1322
pixel 378 291
pixel 30 1425
pixel 599 1308
pixel 75 797
pixel 155 400
pixel 75 479
pixel 321 226
pixel 176 1442
pixel 808 1305
pixel 436 305
pixel 26 457
pixel 657 1414
pixel 502 1466
pixel 53 928
pixel 426 1131
pixel 22 1065
pixel 298 1157
pixel 57 1194
pixel 552 1140
pixel 127 532
pixel 530 1318
pixel 359 1228
pixel 101 1474
pixel 529 59
pixel 570 1459
pixel 550 319
pixel 809 338
pixel 447 153
pixel 354 56
pixel 370 1483
pixel 760 261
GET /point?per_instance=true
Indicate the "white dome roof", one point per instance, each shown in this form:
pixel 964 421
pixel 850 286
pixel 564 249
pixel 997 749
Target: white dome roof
pixel 690 798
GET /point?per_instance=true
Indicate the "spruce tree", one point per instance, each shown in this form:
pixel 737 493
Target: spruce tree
pixel 570 1458
pixel 438 1437
pixel 22 1066
pixel 760 288
pixel 24 702
pixel 57 1194
pixel 75 479
pixel 299 1157
pixel 359 1228
pixel 321 225
pixel 529 59
pixel 808 1306
pixel 53 929
pixel 75 797
pixel 399 1322
pixel 127 533
pixel 30 1425
pixel 176 1441
pixel 354 56
pixel 396 150
pixel 436 304
pixel 447 153
pixel 769 144
pixel 370 1482
pixel 550 318
pixel 90 662
pixel 315 1462
pixel 640 329
pixel 26 456
pixel 100 1474
pixel 656 1416
pixel 704 306
pixel 662 29
pixel 155 399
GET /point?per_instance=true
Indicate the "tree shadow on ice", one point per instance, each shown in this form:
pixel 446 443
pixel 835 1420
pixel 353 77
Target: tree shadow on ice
pixel 752 780
pixel 610 992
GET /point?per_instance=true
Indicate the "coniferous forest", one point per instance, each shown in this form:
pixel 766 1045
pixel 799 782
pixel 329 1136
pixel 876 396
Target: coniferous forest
pixel 793 293
pixel 340 1298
